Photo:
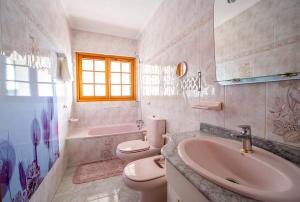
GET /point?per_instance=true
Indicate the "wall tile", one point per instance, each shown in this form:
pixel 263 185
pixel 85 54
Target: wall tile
pixel 210 89
pixel 245 105
pixel 283 112
pixel 12 38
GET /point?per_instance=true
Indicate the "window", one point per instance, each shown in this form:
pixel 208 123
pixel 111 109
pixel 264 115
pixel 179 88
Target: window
pixel 16 75
pixel 105 77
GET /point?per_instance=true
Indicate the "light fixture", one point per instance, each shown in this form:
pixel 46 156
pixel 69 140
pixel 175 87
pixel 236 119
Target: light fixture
pixel 231 1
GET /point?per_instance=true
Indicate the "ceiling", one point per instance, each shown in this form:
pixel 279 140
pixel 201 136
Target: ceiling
pixel 123 18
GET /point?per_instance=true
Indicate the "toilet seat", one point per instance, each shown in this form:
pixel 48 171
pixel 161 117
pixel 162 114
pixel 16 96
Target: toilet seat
pixel 144 174
pixel 144 170
pixel 133 146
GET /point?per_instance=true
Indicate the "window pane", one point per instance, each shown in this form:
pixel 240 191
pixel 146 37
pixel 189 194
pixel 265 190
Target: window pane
pixel 24 89
pixel 87 64
pixel 88 90
pixel 126 79
pixel 116 90
pixel 126 90
pixel 17 88
pixel 10 72
pixel 17 73
pixel 45 89
pixel 87 77
pixel 126 67
pixel 115 78
pixel 115 67
pixel 22 74
pixel 99 77
pixel 44 76
pixel 147 80
pixel 155 80
pixel 100 65
pixel 100 90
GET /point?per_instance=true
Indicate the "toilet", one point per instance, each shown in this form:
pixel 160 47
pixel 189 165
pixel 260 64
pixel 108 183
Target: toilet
pixel 137 149
pixel 147 176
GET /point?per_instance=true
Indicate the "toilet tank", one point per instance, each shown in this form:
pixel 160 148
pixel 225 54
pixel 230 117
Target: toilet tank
pixel 156 127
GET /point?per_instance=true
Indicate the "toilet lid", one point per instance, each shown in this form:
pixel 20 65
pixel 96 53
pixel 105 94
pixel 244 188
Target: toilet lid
pixel 133 146
pixel 144 169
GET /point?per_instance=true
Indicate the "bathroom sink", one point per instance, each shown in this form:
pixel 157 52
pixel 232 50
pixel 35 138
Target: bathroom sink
pixel 260 175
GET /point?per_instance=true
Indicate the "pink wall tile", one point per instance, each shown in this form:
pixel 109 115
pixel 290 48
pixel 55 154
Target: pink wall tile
pixel 245 104
pixel 283 112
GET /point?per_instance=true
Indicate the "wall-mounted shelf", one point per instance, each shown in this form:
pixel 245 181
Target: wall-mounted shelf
pixel 209 105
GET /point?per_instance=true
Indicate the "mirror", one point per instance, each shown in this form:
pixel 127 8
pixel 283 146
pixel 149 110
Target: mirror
pixel 181 69
pixel 256 40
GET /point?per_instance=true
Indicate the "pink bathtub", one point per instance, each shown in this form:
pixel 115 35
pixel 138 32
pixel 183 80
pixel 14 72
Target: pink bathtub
pixel 115 130
pixel 100 143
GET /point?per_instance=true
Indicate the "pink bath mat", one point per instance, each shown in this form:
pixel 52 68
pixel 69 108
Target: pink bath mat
pixel 98 170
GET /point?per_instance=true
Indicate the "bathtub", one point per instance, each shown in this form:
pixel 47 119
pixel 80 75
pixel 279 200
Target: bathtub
pixel 115 130
pixel 87 145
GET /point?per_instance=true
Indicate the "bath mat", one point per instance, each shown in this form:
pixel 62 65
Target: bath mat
pixel 98 170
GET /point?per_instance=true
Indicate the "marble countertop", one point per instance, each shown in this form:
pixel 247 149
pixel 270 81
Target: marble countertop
pixel 212 191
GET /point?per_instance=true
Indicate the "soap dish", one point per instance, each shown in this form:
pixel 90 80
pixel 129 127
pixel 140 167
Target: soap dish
pixel 209 105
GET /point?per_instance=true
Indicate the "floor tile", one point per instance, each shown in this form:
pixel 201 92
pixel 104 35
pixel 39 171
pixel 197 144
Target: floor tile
pixel 107 190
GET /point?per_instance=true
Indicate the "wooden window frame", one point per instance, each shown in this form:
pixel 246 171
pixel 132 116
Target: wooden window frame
pixel 108 59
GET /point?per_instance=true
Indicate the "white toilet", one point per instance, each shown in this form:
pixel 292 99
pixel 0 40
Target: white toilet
pixel 148 177
pixel 137 149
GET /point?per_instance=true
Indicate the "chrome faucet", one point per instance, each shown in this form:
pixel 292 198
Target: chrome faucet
pixel 140 124
pixel 246 137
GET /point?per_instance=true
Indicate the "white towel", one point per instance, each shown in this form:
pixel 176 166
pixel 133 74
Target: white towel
pixel 62 69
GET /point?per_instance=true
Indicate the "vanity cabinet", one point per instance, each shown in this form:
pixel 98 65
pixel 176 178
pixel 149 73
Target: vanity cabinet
pixel 179 188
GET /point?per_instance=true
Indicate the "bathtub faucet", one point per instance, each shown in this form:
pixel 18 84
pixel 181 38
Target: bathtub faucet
pixel 140 124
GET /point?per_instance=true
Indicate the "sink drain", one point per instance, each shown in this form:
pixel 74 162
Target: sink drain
pixel 232 180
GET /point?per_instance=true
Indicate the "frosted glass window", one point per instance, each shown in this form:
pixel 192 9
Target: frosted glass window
pixel 45 89
pixel 147 90
pixel 87 77
pixel 126 90
pixel 155 90
pixel 126 67
pixel 88 90
pixel 87 64
pixel 115 67
pixel 115 78
pixel 147 80
pixel 44 76
pixel 126 79
pixel 100 90
pixel 116 90
pixel 45 62
pixel 17 88
pixel 155 80
pixel 11 87
pixel 100 65
pixel 17 73
pixel 23 89
pixel 22 73
pixel 10 72
pixel 100 77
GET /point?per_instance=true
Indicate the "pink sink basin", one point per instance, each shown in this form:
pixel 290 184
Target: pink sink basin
pixel 261 175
